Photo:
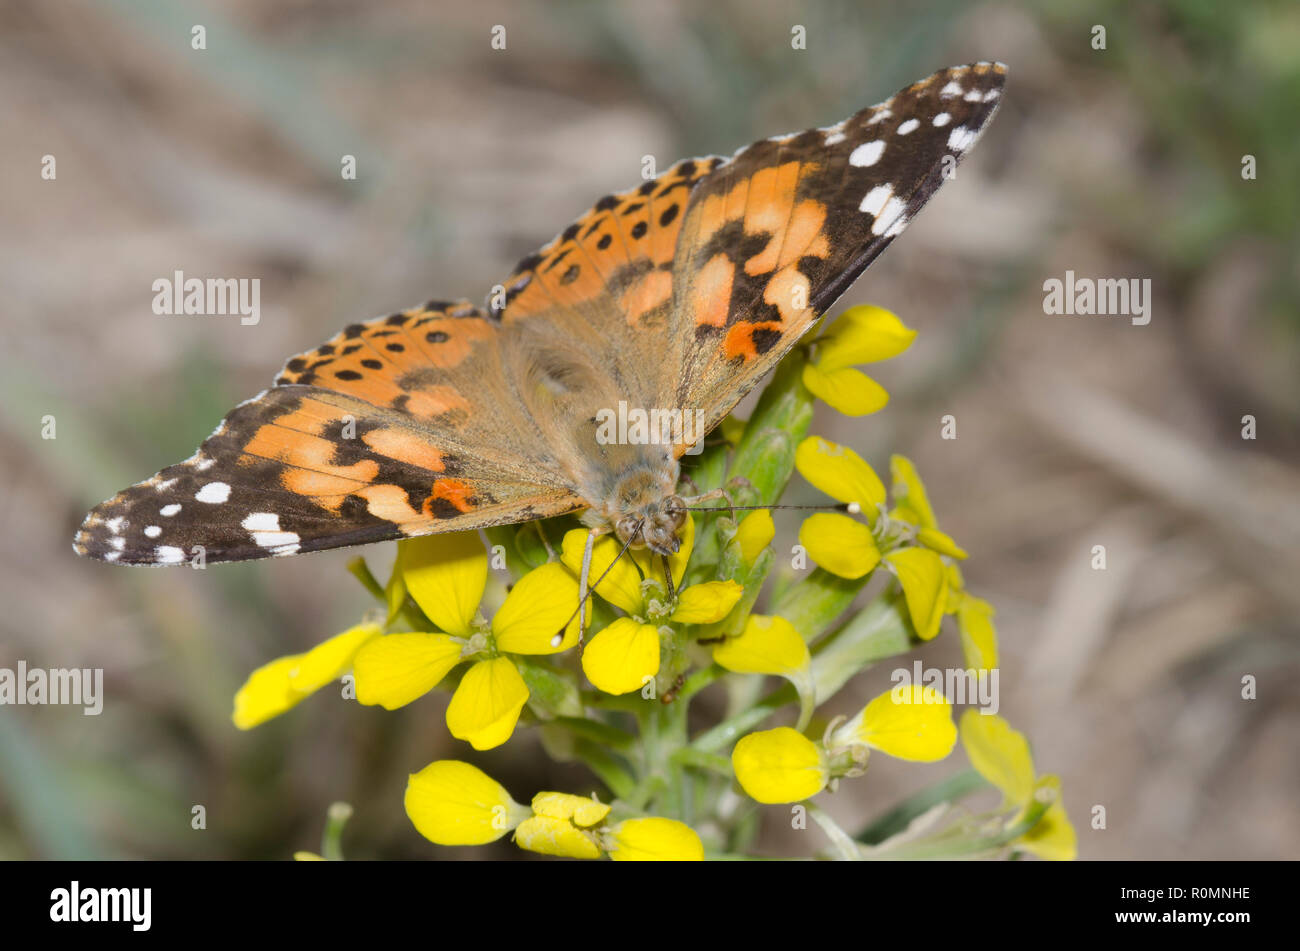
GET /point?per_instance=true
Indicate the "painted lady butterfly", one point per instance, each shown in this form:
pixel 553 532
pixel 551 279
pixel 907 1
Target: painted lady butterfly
pixel 680 293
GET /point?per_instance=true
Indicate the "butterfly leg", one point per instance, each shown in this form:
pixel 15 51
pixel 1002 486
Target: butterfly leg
pixel 719 493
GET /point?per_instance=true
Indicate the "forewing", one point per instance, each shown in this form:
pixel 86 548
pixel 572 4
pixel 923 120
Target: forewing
pixel 774 236
pixel 397 427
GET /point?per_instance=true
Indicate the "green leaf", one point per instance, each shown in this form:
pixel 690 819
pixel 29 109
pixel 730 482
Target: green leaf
pixel 552 690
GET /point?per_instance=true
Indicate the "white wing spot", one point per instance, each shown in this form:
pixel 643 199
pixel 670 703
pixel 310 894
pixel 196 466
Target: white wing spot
pixel 961 138
pixel 868 153
pixel 834 138
pixel 201 465
pixel 880 116
pixel 909 126
pixel 169 555
pixel 973 96
pixel 942 119
pixel 153 531
pixel 897 227
pixel 265 529
pixel 214 493
pixel 992 94
pixel 888 215
pixel 114 525
pixel 952 89
pixel 118 543
pixel 876 199
pixel 169 510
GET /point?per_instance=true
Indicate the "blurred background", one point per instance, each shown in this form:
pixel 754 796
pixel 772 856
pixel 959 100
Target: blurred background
pixel 1072 432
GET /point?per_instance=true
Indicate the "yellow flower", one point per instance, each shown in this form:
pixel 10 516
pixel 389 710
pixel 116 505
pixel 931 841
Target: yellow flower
pixel 560 826
pixel 842 545
pixel 767 645
pixel 626 655
pixel 912 505
pixel 780 765
pixel 446 575
pixel 754 533
pixel 485 707
pixel 454 803
pixel 979 638
pixel 925 587
pixel 909 722
pixel 280 685
pixel 1001 755
pixel 841 473
pixel 623 657
pixel 655 840
pixel 860 335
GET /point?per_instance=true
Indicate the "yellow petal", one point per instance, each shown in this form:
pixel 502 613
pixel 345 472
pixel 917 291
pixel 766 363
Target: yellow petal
pixel 865 334
pixel 755 533
pixel 621 657
pixel 1000 754
pixel 841 545
pixel 979 639
pixel 1053 837
pixel 655 840
pixel 911 503
pixel 395 669
pixel 446 574
pixel 651 565
pixel 454 803
pixel 707 602
pixel 925 586
pixel 267 693
pixel 908 722
pixel 767 645
pixel 550 836
pixel 780 765
pixel 308 857
pixel 841 473
pixel 486 705
pixel 936 540
pixel 621 587
pixel 535 611
pixel 330 660
pixel 581 810
pixel 850 391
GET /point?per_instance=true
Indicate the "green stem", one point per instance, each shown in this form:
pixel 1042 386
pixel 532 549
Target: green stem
pixel 712 762
pixel 610 770
pixel 331 843
pixel 362 572
pixel 842 842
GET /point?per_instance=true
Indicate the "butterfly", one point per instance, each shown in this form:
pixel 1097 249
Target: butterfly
pixel 671 300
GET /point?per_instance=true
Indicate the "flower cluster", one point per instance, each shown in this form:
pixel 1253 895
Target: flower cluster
pixel 672 642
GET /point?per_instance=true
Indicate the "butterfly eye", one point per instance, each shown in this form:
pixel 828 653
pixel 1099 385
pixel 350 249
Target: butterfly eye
pixel 628 527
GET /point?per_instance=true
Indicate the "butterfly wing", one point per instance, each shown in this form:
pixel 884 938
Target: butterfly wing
pixel 775 235
pixel 396 427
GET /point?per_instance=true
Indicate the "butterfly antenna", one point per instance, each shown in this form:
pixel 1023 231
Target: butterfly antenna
pixel 668 577
pixel 853 508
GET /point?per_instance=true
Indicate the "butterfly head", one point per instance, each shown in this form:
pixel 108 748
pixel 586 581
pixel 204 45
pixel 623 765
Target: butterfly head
pixel 655 526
